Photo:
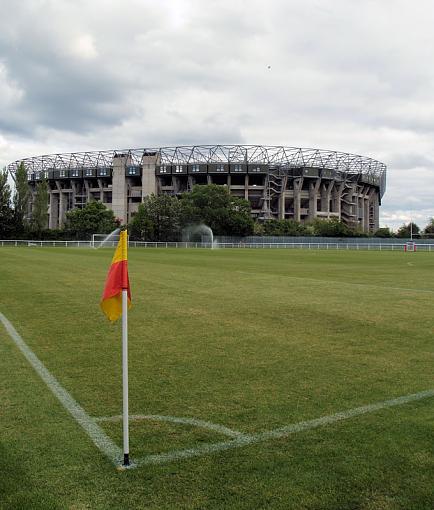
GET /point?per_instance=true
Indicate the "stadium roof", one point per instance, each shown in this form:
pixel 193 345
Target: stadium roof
pixel 289 157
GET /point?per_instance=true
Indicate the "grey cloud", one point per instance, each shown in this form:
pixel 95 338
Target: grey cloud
pixel 408 161
pixel 338 74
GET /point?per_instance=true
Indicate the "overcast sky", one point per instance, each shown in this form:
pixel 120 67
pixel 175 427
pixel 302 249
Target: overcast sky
pixel 354 76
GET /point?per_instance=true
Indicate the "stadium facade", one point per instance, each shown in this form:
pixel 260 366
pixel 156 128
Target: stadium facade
pixel 279 182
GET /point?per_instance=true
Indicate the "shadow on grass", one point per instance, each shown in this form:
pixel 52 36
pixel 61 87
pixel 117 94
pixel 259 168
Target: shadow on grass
pixel 16 488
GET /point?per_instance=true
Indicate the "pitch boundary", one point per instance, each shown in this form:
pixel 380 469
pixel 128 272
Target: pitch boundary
pixel 114 453
pixel 92 429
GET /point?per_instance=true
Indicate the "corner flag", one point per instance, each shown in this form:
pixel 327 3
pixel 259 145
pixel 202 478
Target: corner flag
pixel 117 280
pixel 116 300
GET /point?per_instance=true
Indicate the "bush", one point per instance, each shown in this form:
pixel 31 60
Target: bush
pixel 284 228
pixel 383 232
pixel 93 218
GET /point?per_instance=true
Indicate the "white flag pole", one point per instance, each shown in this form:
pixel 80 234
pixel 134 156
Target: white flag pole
pixel 125 376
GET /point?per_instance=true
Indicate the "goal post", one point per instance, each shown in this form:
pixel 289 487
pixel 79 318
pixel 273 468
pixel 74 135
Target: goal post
pixel 410 246
pixel 105 240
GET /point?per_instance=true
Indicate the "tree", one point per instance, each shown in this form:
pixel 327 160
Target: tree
pixel 157 219
pixel 6 211
pixel 331 228
pixel 383 232
pixel 284 228
pixel 214 206
pixel 21 198
pixel 335 227
pixel 407 231
pixel 40 207
pixel 258 229
pixel 141 226
pixel 93 218
pixel 429 229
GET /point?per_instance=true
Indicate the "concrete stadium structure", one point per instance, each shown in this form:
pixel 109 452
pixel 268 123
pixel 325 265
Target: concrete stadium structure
pixel 279 182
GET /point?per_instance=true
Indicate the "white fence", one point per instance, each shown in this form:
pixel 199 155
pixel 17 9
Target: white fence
pixel 306 246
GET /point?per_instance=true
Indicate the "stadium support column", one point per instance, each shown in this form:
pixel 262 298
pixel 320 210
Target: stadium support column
pixel 87 188
pixel 62 206
pixel 336 198
pixel 53 217
pixel 190 183
pixel 326 190
pixel 374 205
pixel 313 194
pixel 149 184
pixel 282 197
pixel 119 187
pixel 74 193
pixel 101 190
pixel 366 210
pixel 298 184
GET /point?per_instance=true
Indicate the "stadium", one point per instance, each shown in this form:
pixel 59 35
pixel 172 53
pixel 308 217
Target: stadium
pixel 279 182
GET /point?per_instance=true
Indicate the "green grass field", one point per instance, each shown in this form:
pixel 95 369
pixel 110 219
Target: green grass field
pixel 253 340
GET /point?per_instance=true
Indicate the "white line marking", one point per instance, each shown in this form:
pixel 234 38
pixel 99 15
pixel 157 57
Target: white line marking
pixel 114 453
pixel 282 432
pixel 177 419
pixel 94 431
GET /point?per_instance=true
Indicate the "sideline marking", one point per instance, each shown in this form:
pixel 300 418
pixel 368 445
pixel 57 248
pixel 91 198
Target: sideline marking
pixel 177 419
pixel 114 453
pixel 281 432
pixel 93 430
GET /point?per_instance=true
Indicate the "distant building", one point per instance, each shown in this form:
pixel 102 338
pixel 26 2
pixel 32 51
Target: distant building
pixel 279 182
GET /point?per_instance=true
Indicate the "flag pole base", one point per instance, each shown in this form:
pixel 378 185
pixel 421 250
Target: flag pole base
pixel 126 459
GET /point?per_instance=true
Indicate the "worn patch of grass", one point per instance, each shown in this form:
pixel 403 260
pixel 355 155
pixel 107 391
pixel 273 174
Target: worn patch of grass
pixel 250 339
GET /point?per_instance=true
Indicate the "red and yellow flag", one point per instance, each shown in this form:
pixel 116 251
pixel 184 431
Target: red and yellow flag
pixel 117 280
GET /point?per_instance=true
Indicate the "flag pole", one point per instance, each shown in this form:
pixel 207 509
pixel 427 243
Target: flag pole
pixel 115 301
pixel 125 376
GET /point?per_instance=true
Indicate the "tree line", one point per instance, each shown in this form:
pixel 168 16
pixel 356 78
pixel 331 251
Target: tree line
pixel 164 217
